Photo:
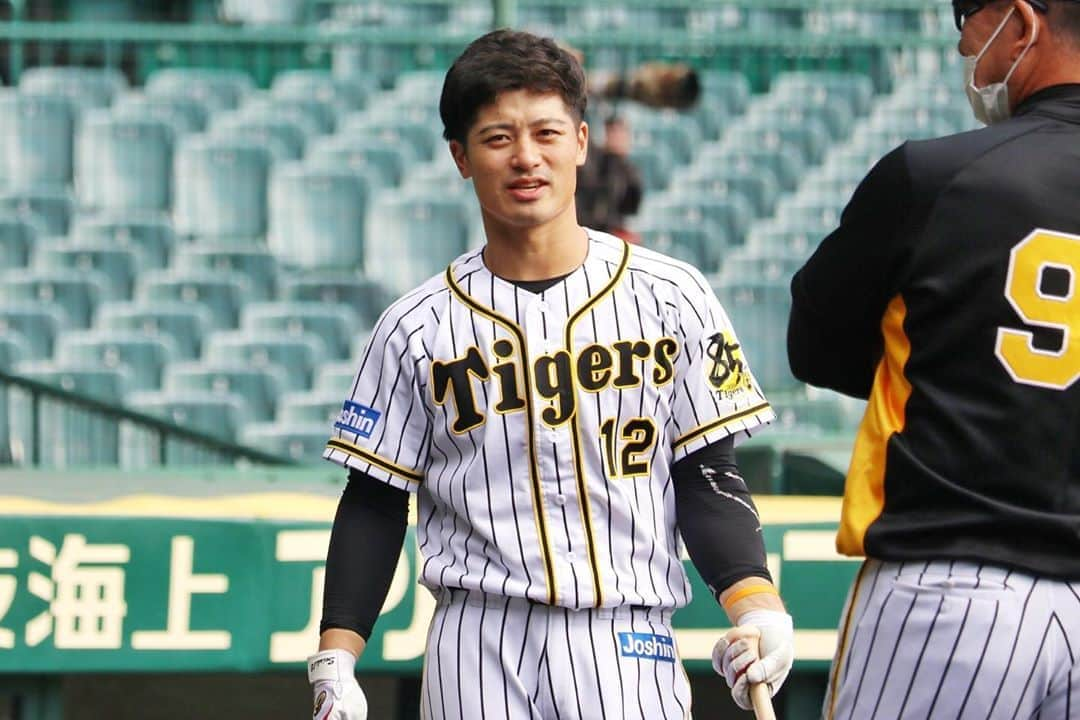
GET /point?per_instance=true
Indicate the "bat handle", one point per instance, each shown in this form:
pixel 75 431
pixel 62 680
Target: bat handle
pixel 762 702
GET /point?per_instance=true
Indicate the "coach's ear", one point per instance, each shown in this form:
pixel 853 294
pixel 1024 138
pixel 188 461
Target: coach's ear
pixel 461 159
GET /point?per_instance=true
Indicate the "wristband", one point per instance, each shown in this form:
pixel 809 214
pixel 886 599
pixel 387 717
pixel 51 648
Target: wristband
pixel 331 665
pixel 741 593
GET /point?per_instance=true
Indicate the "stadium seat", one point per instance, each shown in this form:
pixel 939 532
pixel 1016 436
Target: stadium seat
pixel 66 435
pixel 185 116
pixel 144 356
pixel 222 292
pixel 254 261
pixel 17 237
pixel 336 325
pixel 317 217
pixel 311 407
pixel 183 323
pixel 346 94
pixel 811 208
pixel 284 138
pixel 49 209
pixel 835 114
pixel 334 378
pixel 216 415
pixel 820 410
pixel 420 137
pixel 36 139
pixel 303 442
pixel 758 185
pixel 731 87
pixel 383 165
pixel 218 89
pixel 689 242
pixel 761 309
pixel 123 163
pixel 807 136
pixel 36 323
pixel 296 355
pixel 752 263
pixel 75 296
pixel 265 12
pixel 364 295
pixel 675 134
pixel 150 235
pixel 86 87
pixel 258 388
pixel 712 115
pixel 413 238
pixel 13 349
pixel 796 237
pixel 117 265
pixel 421 85
pixel 788 167
pixel 727 219
pixel 313 117
pixel 655 166
pixel 856 89
pixel 221 187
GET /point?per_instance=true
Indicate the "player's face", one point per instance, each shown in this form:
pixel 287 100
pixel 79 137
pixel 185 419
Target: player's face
pixel 522 154
pixel 977 30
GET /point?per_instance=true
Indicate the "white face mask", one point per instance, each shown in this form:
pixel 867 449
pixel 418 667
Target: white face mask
pixel 991 103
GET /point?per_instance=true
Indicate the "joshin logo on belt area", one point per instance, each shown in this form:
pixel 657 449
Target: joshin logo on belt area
pixel 647 646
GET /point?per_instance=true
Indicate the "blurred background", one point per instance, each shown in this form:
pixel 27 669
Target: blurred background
pixel 204 207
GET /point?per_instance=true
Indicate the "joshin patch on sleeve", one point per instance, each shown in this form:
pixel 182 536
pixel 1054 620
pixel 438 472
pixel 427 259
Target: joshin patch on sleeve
pixel 358 419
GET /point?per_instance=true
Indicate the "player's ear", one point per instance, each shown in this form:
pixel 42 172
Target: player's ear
pixel 1030 33
pixel 583 143
pixel 461 158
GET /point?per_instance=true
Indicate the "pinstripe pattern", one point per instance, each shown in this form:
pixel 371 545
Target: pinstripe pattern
pixel 957 640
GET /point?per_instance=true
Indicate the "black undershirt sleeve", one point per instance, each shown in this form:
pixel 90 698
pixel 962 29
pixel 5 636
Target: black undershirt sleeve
pixel 366 540
pixel 717 517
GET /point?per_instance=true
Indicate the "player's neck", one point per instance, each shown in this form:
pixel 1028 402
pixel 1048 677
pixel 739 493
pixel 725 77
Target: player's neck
pixel 537 253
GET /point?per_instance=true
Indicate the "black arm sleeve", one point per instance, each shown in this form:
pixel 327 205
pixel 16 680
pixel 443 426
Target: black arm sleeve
pixel 369 530
pixel 717 517
pixel 839 297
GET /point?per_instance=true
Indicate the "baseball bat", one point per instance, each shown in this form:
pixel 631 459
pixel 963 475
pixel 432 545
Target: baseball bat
pixel 762 702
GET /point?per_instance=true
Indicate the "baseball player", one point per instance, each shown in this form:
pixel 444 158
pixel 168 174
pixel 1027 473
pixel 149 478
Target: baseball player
pixel 565 407
pixel 948 298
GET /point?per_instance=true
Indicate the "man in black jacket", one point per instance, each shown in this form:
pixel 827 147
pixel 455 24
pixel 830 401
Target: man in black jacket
pixel 949 298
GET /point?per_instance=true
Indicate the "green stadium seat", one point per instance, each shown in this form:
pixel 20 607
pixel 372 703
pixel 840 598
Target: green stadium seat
pixel 673 133
pixel 812 209
pixel 222 292
pixel 727 218
pixel 144 356
pixel 303 442
pixel 336 325
pixel 17 238
pixel 712 115
pixel 218 415
pixel 816 410
pixel 65 435
pixel 420 137
pixel 36 323
pixel 654 164
pixel 796 237
pixel 438 178
pixel 419 85
pixel 13 349
pixel 123 163
pixel 221 187
pixel 262 12
pixel 150 235
pixel 788 167
pixel 345 94
pixel 218 88
pixel 364 295
pixel 805 135
pixel 313 117
pixel 752 263
pixel 761 309
pixel 49 209
pixel 311 407
pixel 86 87
pixel 36 139
pixel 284 138
pixel 296 355
pixel 184 324
pixel 334 378
pixel 254 261
pixel 769 20
pixel 689 242
pixel 835 114
pixel 733 88
pixel 117 265
pixel 185 116
pixel 758 185
pixel 856 89
pixel 413 237
pixel 258 388
pixel 317 217
pixel 849 162
pixel 76 296
pixel 383 165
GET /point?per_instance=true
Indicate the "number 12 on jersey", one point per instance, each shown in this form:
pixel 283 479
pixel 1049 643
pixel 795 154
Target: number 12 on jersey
pixel 627 450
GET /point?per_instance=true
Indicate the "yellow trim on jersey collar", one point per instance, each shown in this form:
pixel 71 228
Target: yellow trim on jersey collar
pixel 380 462
pixel 539 518
pixel 719 423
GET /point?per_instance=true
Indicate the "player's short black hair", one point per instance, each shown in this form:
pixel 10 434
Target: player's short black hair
pixel 504 60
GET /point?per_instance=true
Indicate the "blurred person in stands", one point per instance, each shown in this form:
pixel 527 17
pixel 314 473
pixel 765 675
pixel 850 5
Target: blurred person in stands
pixel 948 298
pixel 609 186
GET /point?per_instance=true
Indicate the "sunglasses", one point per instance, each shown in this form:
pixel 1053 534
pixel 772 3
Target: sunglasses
pixel 963 9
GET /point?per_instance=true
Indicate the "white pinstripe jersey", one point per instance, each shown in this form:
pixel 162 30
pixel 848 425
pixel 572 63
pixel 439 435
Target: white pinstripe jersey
pixel 539 429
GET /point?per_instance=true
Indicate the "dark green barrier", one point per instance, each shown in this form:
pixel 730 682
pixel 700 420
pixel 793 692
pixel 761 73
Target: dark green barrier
pixel 82 593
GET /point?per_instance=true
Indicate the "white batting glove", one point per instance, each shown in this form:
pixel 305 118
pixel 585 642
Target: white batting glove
pixel 769 633
pixel 337 694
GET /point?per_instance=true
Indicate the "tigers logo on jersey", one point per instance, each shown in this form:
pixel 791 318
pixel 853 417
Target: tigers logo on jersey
pixel 725 367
